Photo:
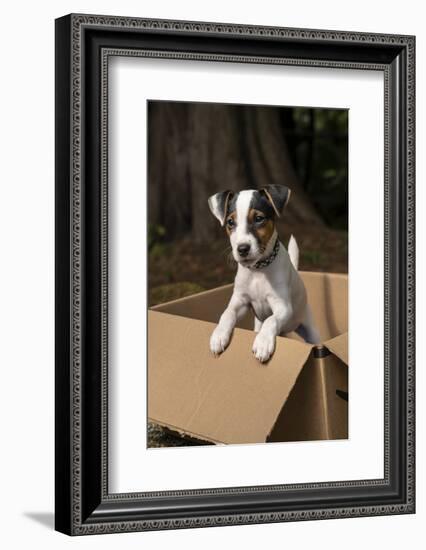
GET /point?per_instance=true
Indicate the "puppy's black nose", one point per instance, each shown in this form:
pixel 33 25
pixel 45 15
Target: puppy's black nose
pixel 243 249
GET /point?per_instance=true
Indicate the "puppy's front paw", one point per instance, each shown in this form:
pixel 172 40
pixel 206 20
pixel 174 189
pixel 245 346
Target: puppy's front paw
pixel 219 340
pixel 263 347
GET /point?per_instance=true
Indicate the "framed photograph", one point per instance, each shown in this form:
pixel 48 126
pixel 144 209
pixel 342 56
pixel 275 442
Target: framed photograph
pixel 234 274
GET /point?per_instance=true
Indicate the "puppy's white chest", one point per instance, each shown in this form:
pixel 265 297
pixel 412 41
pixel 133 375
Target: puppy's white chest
pixel 259 289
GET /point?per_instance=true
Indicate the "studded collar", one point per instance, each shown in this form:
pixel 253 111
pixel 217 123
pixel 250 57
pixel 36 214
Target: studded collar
pixel 267 261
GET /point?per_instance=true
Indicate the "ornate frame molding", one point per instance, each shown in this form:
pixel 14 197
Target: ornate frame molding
pixel 85 507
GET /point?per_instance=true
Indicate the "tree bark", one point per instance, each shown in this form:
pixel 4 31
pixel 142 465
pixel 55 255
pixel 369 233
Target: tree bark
pixel 198 149
pixel 269 162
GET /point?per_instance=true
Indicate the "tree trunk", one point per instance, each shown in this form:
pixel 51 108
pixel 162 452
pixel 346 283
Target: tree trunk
pixel 269 162
pixel 196 150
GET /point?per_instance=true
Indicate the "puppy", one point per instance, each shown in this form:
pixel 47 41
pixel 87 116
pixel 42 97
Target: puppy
pixel 267 280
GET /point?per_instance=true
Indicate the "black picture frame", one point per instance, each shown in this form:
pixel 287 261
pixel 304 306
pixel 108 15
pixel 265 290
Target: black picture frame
pixel 83 45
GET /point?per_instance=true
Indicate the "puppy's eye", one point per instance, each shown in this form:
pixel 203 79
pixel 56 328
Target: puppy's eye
pixel 230 222
pixel 259 219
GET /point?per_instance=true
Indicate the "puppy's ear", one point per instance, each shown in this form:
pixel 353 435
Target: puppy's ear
pixel 218 205
pixel 278 196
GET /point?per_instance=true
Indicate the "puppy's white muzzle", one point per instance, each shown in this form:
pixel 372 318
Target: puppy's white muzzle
pixel 245 248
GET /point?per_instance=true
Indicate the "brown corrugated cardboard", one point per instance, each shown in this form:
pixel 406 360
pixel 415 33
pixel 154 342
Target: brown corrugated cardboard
pixel 339 346
pixel 301 394
pixel 317 407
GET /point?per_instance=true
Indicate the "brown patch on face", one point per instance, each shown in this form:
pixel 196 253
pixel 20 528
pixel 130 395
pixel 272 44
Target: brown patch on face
pixel 262 231
pixel 233 217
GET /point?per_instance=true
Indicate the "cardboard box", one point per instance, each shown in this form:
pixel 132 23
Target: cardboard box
pixel 299 395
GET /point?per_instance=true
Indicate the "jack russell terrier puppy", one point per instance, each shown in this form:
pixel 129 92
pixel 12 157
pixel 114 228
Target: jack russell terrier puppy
pixel 267 280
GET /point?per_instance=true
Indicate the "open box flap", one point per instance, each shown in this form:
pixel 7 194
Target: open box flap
pixel 339 347
pixel 195 393
pixel 327 297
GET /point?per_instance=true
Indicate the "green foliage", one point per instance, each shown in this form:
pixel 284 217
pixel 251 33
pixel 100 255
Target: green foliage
pixel 318 144
pixel 156 236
